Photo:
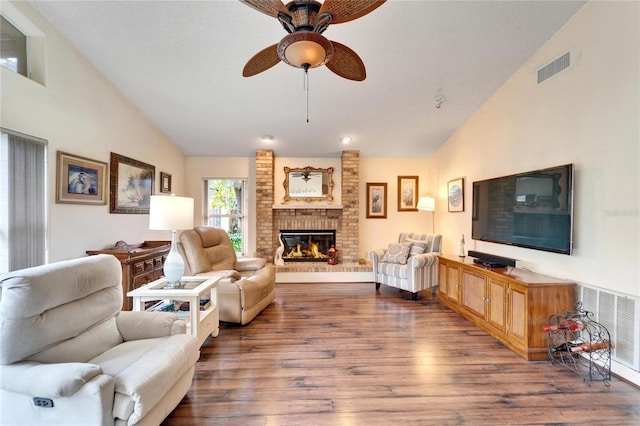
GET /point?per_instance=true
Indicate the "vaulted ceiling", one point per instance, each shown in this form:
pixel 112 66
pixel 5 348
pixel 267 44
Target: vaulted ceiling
pixel 180 63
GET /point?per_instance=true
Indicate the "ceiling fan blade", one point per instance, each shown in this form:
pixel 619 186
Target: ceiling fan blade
pixel 261 61
pixel 268 7
pixel 346 63
pixel 348 10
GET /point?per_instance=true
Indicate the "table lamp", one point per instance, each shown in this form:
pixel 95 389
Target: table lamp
pixel 170 213
pixel 428 203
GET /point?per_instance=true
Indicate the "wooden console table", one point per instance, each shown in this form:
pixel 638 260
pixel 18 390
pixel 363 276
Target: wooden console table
pixel 141 264
pixel 512 306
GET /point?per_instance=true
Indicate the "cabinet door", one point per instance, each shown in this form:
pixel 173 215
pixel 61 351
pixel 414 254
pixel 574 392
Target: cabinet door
pixel 442 278
pixel 453 283
pixel 517 312
pixel 474 293
pixel 497 312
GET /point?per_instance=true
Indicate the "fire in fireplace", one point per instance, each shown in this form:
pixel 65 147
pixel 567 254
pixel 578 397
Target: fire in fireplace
pixel 307 245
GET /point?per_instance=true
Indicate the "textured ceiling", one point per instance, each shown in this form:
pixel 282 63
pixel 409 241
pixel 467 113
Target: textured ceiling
pixel 180 63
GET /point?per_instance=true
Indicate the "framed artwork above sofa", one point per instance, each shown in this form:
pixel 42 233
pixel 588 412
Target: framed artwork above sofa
pixel 80 180
pixel 131 186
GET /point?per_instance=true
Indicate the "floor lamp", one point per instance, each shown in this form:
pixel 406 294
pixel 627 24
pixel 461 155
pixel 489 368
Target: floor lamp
pixel 428 203
pixel 170 213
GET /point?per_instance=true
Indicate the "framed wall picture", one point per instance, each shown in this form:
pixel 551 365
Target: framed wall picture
pixel 80 180
pixel 165 182
pixel 376 200
pixel 407 193
pixel 455 195
pixel 131 185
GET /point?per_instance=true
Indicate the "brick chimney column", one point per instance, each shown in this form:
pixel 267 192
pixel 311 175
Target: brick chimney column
pixel 264 203
pixel 351 207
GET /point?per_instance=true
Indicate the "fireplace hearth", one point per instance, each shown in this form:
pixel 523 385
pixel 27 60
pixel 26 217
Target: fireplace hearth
pixel 306 245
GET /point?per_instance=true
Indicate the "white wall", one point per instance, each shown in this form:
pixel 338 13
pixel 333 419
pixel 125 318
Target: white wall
pixel 80 112
pixel 587 115
pixel 200 168
pixel 378 233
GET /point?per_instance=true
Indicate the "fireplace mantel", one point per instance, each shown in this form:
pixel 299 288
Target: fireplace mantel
pixel 299 206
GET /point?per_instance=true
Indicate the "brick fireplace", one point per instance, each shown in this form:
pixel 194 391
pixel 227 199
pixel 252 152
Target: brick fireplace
pixel 343 220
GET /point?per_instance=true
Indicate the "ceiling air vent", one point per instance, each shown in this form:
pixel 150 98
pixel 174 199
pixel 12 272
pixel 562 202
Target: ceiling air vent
pixel 548 71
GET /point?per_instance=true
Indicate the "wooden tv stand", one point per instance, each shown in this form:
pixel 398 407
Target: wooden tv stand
pixel 512 307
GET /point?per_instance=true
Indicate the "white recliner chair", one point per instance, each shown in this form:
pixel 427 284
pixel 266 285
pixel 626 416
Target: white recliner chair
pixel 69 356
pixel 411 264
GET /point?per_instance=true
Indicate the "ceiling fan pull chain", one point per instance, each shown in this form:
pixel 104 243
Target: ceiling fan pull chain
pixel 304 81
pixel 307 95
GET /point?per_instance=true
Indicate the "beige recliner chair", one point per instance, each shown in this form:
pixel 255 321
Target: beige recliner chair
pixel 251 285
pixel 69 356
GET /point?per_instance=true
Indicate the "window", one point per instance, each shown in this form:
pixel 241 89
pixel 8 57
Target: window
pixel 13 48
pixel 225 208
pixel 22 201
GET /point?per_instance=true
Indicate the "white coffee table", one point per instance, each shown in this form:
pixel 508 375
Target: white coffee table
pixel 199 323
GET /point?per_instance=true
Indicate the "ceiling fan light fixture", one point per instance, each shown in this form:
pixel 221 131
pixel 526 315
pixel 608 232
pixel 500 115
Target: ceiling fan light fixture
pixel 268 138
pixel 305 49
pixel 346 140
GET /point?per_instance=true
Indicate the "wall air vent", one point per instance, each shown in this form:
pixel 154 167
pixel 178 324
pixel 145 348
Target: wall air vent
pixel 553 68
pixel 619 314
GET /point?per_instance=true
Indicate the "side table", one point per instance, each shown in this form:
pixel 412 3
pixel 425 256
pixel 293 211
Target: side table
pixel 199 323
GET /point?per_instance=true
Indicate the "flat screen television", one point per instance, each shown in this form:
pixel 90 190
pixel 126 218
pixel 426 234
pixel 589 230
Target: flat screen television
pixel 531 209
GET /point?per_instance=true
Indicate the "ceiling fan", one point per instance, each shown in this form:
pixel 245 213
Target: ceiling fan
pixel 305 47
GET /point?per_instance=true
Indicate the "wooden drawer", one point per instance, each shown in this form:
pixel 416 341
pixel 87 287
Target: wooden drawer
pixel 158 262
pixel 143 279
pixel 140 268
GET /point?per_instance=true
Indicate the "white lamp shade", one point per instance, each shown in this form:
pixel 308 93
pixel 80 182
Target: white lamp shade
pixel 427 203
pixel 168 212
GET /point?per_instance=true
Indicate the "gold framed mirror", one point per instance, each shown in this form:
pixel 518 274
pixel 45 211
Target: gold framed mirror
pixel 308 184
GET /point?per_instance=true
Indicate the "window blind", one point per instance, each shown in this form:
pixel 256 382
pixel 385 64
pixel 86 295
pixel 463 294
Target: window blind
pixel 22 201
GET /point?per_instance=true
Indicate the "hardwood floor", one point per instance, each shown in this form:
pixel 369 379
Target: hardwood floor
pixel 344 354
